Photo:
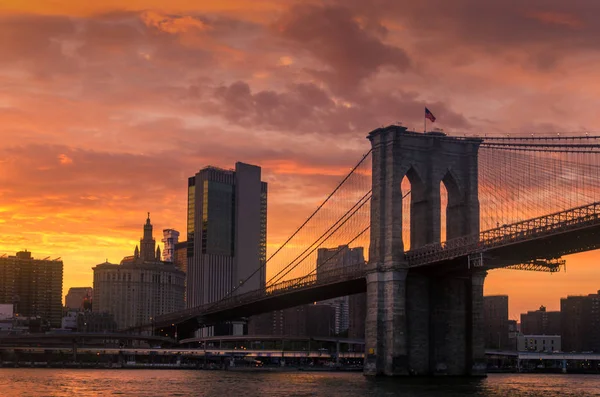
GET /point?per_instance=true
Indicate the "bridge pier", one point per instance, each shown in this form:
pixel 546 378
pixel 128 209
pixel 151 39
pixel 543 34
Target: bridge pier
pixel 385 326
pixel 421 325
pixel 422 321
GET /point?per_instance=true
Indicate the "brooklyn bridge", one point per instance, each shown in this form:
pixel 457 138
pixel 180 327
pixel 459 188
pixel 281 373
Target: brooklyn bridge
pixel 436 213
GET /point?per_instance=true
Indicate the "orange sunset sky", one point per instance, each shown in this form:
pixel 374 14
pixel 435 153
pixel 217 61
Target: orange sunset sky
pixel 106 107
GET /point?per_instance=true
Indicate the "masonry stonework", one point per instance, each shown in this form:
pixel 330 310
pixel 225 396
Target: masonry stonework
pixel 421 321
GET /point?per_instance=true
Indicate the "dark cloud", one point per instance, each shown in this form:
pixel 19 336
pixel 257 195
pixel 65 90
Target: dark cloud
pixel 334 36
pixel 308 108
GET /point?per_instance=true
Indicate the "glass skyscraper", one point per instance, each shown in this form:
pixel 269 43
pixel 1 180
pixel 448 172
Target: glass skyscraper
pixel 227 232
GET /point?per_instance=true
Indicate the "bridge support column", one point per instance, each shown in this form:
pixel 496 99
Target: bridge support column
pixel 385 331
pixel 449 326
pixel 476 326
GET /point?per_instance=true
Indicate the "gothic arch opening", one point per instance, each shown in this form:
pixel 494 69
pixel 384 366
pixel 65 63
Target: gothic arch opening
pixel 451 202
pixel 443 211
pixel 412 191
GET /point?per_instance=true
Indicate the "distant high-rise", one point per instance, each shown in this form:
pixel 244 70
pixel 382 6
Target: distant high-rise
pixel 495 317
pixel 227 232
pixel 34 286
pixel 76 297
pixel 301 321
pixel 357 313
pixel 141 287
pixel 170 240
pixel 330 259
pixel 540 322
pixel 581 323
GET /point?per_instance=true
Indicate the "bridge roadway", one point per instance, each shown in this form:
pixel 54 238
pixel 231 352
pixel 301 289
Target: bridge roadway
pixel 546 237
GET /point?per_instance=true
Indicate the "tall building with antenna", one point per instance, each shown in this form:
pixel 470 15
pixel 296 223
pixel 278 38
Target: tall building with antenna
pixel 227 233
pixel 141 287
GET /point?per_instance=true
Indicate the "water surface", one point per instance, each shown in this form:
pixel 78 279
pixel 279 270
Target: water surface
pixel 91 382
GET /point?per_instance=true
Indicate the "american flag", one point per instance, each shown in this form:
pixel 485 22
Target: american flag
pixel 429 115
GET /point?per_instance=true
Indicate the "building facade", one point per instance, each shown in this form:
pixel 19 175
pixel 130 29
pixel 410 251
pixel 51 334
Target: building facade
pixel 77 296
pixel 33 286
pixel 329 260
pixel 303 321
pixel 539 343
pixel 581 323
pixel 180 256
pixel 495 317
pixel 227 233
pixel 141 287
pixel 170 240
pixel 541 322
pixel 357 315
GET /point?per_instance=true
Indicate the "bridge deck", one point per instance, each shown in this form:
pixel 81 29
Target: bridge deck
pixel 550 236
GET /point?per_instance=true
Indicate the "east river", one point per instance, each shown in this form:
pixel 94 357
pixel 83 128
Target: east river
pixel 84 382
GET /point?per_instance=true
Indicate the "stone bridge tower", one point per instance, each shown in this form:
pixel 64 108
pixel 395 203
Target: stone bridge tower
pixel 421 321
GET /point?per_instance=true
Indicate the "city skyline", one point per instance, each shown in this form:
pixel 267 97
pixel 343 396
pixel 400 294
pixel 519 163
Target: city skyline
pixel 94 120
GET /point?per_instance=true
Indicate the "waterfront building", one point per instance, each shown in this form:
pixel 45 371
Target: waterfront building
pixel 495 317
pixel 539 343
pixel 170 240
pixel 541 322
pixel 141 287
pixel 227 232
pixel 88 321
pixel 77 297
pixel 33 286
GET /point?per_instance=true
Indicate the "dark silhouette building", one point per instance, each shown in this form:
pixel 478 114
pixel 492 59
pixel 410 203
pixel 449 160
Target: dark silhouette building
pixel 305 320
pixel 581 323
pixel 541 322
pixel 357 316
pixel 495 314
pixel 77 297
pixel 34 286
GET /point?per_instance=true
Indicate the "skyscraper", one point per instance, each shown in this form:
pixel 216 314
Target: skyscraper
pixel 170 240
pixel 227 232
pixel 34 286
pixel 495 317
pixel 141 287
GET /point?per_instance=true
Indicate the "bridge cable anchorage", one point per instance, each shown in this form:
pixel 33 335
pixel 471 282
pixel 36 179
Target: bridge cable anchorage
pixel 303 225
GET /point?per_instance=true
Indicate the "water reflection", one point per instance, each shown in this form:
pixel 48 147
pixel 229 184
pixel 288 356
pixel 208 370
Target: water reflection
pixel 84 382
